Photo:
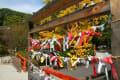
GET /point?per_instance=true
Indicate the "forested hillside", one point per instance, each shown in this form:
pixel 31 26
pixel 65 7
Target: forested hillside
pixel 9 17
pixel 16 35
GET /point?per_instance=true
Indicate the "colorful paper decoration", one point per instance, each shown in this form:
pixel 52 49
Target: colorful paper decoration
pixel 65 43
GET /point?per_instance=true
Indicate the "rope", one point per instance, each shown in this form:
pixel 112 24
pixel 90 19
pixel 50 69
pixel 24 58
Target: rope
pixel 115 57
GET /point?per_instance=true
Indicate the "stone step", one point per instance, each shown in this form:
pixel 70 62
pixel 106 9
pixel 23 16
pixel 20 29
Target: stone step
pixel 17 64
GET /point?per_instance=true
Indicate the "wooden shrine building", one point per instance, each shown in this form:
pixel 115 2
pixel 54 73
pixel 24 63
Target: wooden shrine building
pixel 104 7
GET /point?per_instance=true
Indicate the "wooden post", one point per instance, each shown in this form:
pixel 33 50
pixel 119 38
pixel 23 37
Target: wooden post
pixel 30 28
pixel 29 36
pixel 115 6
pixel 24 65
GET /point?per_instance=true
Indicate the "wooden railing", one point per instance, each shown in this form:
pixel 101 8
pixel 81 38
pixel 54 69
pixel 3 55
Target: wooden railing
pixel 22 61
pixel 16 63
pixel 58 74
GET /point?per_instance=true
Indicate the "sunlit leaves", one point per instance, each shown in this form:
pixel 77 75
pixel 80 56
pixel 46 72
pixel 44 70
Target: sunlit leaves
pixel 46 1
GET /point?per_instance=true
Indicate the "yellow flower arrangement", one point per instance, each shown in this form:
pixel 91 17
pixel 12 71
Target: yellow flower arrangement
pixel 88 2
pixel 79 51
pixel 81 4
pixel 70 9
pixel 97 1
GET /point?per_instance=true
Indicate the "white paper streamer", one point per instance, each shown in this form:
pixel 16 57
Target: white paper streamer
pixel 55 62
pixel 77 61
pixel 52 44
pixel 100 26
pixel 43 43
pixel 100 65
pixel 67 61
pixel 87 64
pixel 65 43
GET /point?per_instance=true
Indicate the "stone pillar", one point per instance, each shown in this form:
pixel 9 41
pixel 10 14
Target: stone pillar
pixel 115 25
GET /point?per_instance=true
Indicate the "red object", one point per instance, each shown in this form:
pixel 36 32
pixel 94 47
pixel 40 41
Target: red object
pixel 107 60
pixel 59 40
pixel 53 58
pixel 58 48
pixel 35 42
pixel 90 32
pixel 94 50
pixel 94 69
pixel 22 62
pixel 50 55
pixel 58 74
pixel 29 49
pixel 70 36
pixel 58 64
pixel 81 39
pixel 115 76
pixel 39 47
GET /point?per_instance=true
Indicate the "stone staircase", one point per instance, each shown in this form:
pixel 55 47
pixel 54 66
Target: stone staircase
pixel 17 64
pixel 5 60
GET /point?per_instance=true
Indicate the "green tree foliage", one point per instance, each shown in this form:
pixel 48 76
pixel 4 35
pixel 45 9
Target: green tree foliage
pixel 16 36
pixel 105 39
pixel 23 53
pixel 3 50
pixel 8 17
